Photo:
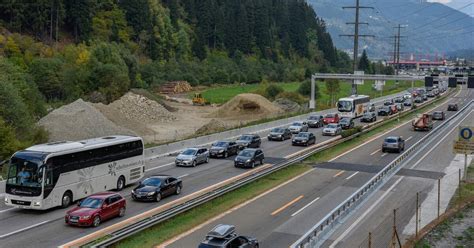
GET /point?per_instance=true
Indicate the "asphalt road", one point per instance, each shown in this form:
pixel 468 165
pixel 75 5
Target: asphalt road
pixel 27 228
pixel 280 217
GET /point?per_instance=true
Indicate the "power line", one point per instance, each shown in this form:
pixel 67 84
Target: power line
pixel 422 32
pixel 356 36
pixel 441 17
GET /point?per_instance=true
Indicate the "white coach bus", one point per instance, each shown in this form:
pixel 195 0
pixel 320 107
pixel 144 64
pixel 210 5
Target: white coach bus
pixel 56 174
pixel 353 106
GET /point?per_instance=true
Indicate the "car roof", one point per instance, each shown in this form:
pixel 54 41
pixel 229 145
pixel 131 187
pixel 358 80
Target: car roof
pixel 102 195
pixel 158 176
pixel 221 231
pixel 250 149
pixel 392 137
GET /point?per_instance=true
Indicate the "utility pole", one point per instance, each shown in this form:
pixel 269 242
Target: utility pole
pixel 356 36
pixel 396 48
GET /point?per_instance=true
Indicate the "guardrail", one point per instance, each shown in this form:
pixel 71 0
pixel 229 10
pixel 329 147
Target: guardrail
pixel 315 236
pixel 180 208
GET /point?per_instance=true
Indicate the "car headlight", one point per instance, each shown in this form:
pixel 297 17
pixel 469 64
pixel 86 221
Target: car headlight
pixel 85 217
pixel 36 203
pixel 248 161
pixel 279 135
pixel 133 191
pixel 221 151
pixel 150 194
pixel 6 200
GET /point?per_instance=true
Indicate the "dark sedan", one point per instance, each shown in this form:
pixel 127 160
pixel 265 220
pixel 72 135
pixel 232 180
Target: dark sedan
pixel 384 111
pixel 369 117
pixel 223 149
pixel 304 139
pixel 347 123
pixel 155 188
pixel 453 107
pixel 224 236
pixel 249 158
pixel 315 121
pixel 279 133
pixel 249 141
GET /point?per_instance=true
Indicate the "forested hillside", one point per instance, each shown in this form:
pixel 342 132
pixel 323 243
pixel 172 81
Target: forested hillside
pixel 55 51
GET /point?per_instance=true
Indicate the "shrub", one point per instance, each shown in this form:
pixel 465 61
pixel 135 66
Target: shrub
pixel 350 132
pixel 293 96
pixel 272 91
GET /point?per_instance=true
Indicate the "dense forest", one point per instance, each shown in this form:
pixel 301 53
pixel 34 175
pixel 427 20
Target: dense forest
pixel 55 51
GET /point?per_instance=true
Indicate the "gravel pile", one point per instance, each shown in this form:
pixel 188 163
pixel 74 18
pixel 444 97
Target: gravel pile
pixel 247 105
pixel 212 126
pixel 79 120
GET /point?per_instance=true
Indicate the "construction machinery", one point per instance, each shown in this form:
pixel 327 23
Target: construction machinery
pixel 422 122
pixel 199 100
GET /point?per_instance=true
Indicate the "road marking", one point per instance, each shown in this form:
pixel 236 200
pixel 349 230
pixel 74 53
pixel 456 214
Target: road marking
pixel 6 210
pixel 287 205
pixel 409 138
pixel 24 229
pixel 384 154
pixel 339 173
pixel 349 177
pixel 378 150
pixel 183 176
pixel 158 167
pixel 307 205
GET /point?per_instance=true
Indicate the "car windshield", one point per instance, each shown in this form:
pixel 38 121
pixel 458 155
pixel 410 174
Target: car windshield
pixel 344 120
pixel 313 118
pixel 153 181
pixel 278 130
pixel 189 152
pixel 344 106
pixel 246 153
pixel 330 116
pixel 368 115
pixel 25 170
pixel 91 202
pixel 391 140
pixel 296 124
pixel 245 137
pixel 221 144
pixel 303 135
pixel 332 126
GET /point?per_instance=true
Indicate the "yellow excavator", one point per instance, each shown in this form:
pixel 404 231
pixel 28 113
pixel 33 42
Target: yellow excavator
pixel 199 100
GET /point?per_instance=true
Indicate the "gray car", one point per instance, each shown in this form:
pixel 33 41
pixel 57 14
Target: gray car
pixel 280 134
pixel 192 157
pixel 298 126
pixel 315 121
pixel 332 129
pixel 393 143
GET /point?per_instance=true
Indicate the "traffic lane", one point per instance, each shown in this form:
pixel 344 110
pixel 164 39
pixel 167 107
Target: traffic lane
pixel 434 158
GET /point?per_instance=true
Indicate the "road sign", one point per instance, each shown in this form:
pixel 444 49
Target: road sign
pixel 465 142
pixel 360 73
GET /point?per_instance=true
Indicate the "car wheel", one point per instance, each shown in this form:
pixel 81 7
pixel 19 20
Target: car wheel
pixel 262 161
pixel 194 163
pixel 96 221
pixel 252 164
pixel 178 190
pixel 207 160
pixel 383 150
pixel 121 212
pixel 226 155
pixel 66 200
pixel 158 197
pixel 120 183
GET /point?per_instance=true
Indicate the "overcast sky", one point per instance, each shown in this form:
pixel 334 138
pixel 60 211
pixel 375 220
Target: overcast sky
pixel 457 4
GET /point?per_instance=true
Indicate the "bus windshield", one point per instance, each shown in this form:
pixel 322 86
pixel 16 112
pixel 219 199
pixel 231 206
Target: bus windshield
pixel 25 172
pixel 344 106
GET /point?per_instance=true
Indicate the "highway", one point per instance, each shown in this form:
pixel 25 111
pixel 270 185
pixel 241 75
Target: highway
pixel 282 215
pixel 20 227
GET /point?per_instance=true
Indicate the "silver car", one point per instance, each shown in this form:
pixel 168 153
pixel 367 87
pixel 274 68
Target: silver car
pixel 298 126
pixel 332 129
pixel 192 157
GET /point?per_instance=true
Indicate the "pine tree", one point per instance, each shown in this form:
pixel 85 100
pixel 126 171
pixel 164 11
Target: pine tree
pixel 364 63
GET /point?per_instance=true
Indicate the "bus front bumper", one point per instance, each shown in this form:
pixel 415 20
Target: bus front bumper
pixel 23 202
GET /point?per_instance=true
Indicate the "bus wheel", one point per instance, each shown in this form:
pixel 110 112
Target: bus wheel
pixel 120 183
pixel 66 200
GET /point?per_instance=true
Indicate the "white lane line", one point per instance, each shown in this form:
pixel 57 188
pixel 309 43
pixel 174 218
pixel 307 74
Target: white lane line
pixel 24 229
pixel 158 167
pixel 349 177
pixel 409 138
pixel 378 150
pixel 6 210
pixel 183 176
pixel 307 205
pixel 384 154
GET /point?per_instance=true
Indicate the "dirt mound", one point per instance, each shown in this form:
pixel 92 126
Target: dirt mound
pixel 247 104
pixel 287 105
pixel 212 126
pixel 79 120
pixel 136 112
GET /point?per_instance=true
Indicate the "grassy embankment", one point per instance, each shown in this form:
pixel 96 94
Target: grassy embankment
pixel 181 223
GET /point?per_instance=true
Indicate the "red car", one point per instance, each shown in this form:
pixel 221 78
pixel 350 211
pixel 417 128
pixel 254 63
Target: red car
pixel 394 109
pixel 96 208
pixel 331 118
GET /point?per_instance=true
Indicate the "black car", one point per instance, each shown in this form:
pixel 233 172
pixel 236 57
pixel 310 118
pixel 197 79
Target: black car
pixel 418 99
pixel 304 139
pixel 155 188
pixel 453 107
pixel 388 102
pixel 224 236
pixel 384 111
pixel 399 100
pixel 249 158
pixel 430 94
pixel 279 133
pixel 369 117
pixel 347 123
pixel 425 98
pixel 315 121
pixel 223 149
pixel 249 141
pixel 408 102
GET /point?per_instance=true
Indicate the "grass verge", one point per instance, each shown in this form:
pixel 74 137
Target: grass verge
pixel 186 221
pixel 183 222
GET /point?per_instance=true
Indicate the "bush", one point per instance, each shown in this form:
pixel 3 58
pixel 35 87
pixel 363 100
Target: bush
pixel 350 132
pixel 293 96
pixel 272 91
pixel 305 89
